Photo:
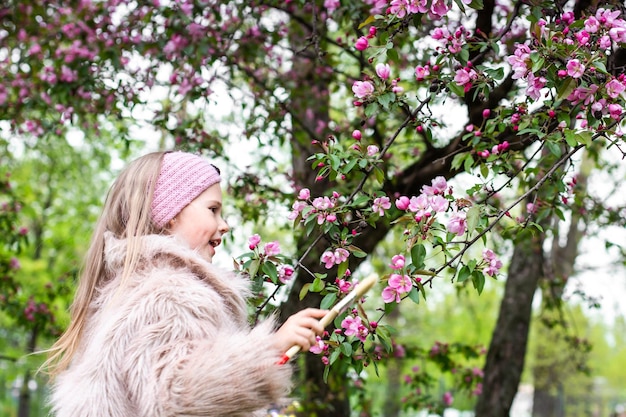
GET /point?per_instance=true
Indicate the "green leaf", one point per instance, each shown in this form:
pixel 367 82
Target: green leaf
pixel 566 88
pixel 570 138
pixel 357 252
pixel 392 54
pixel 346 349
pixel 305 290
pixel 469 161
pixel 458 160
pixel 554 148
pixel 414 295
pixel 386 99
pixel 384 335
pixel 472 217
pixel 379 174
pixel 477 4
pixel 328 301
pixel 585 137
pixel 342 268
pixel 418 254
pixel 478 279
pixel 254 268
pixel 464 274
pixel 317 285
pixel 371 109
pixel 456 89
pixel 270 270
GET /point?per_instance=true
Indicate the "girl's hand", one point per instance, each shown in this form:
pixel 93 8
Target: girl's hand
pixel 300 329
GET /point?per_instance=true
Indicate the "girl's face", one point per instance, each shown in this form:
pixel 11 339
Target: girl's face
pixel 200 224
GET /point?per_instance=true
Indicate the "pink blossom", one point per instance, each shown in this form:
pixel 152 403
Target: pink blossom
pixel 439 7
pixel 535 84
pixel 14 264
pixel 439 203
pixel 397 262
pixel 285 273
pixel 518 61
pixel 372 150
pixel 583 37
pixel 323 203
pixel 420 206
pixel 402 283
pixel 362 89
pixel 421 72
pixel 447 398
pixel 615 111
pixel 331 5
pixel 271 248
pixel 341 255
pixel 304 194
pixel 605 42
pixel 356 134
pixel 464 76
pixel 493 263
pixel 531 208
pixel 614 88
pixel 397 285
pixel 618 34
pixel 328 259
pixel 362 43
pixel 353 326
pixel 586 95
pixel 440 33
pixel 438 186
pixel 457 223
pixel 398 7
pixel 253 241
pixel 318 347
pixel 380 205
pixel 383 70
pixel 297 208
pixel 575 68
pixel 344 286
pixel 402 203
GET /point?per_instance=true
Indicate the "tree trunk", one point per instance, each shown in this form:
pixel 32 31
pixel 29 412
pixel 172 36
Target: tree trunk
pixel 507 351
pixel 547 377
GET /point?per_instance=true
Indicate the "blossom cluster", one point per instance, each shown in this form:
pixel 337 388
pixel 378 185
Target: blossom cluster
pixel 592 86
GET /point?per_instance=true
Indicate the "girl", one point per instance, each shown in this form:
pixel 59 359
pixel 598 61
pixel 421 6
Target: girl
pixel 157 330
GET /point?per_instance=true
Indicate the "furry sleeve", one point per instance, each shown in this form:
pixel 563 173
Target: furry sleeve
pixel 189 356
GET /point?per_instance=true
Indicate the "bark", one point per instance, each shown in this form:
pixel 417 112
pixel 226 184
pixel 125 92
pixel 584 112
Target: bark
pixel 507 351
pixel 548 372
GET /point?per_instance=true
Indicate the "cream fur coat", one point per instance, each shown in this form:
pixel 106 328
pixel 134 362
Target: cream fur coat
pixel 174 342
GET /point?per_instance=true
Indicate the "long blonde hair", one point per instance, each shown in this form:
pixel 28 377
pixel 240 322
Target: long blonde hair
pixel 126 214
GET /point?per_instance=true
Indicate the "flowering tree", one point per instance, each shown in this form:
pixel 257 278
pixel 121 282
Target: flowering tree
pixel 364 92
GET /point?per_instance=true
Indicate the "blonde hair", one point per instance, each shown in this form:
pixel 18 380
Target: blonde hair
pixel 126 214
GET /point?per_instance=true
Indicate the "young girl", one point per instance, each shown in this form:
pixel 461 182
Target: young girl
pixel 156 329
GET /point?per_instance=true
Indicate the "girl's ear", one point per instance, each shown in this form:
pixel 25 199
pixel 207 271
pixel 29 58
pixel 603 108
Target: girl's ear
pixel 170 225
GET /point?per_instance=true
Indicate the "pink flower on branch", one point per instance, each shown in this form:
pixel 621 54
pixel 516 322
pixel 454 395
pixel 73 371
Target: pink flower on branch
pixel 362 43
pixel 353 326
pixel 397 285
pixel 272 248
pixel 380 205
pixel 575 68
pixel 253 241
pixel 383 70
pixel 362 89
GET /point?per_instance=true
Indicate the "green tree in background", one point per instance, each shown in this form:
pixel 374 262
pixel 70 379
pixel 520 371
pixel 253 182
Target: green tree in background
pixel 360 114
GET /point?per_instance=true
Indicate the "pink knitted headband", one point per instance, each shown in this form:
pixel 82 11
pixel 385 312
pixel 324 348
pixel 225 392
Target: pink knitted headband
pixel 182 178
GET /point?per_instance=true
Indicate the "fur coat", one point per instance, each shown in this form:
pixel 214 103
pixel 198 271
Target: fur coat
pixel 174 342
